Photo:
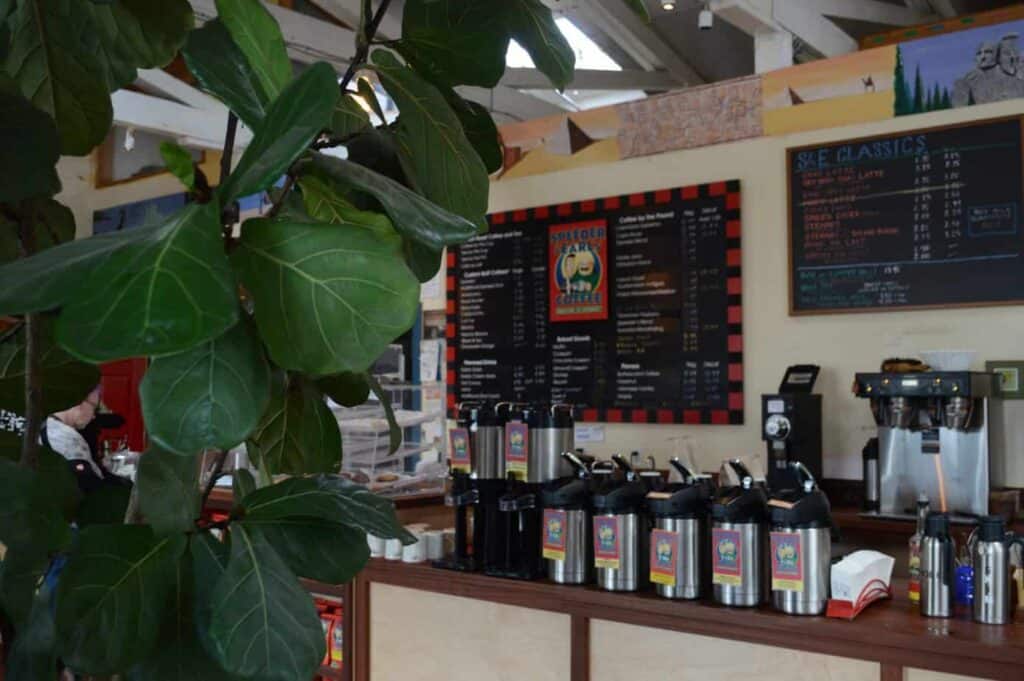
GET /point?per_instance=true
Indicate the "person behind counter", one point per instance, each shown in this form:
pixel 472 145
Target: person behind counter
pixel 74 434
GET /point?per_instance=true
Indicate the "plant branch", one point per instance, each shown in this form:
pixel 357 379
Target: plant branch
pixel 229 147
pixel 33 350
pixel 218 467
pixel 289 183
pixel 366 36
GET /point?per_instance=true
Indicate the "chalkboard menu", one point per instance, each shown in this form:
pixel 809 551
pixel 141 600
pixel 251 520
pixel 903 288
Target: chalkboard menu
pixel 918 219
pixel 627 308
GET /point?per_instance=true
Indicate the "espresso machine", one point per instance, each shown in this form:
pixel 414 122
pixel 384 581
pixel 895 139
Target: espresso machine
pixel 933 439
pixel 791 427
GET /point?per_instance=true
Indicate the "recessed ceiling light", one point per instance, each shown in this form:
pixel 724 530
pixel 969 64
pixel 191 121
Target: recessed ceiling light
pixel 668 6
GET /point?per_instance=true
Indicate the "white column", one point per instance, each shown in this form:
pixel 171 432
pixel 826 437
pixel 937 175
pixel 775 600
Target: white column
pixel 772 50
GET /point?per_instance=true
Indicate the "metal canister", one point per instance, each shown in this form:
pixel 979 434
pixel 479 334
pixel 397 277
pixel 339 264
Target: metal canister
pixel 487 439
pixel 679 535
pixel 938 551
pixel 620 532
pixel 551 432
pixel 991 560
pixel 565 533
pixel 870 475
pixel 739 527
pixel 800 549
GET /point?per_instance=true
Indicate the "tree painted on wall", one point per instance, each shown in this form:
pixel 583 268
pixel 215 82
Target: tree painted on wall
pixel 918 98
pixel 902 104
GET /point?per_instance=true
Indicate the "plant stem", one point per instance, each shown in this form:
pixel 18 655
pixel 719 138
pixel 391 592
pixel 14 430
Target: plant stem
pixel 367 35
pixel 218 467
pixel 285 191
pixel 229 147
pixel 33 379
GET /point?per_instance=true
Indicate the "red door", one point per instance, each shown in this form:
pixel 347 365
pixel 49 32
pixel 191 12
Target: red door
pixel 121 395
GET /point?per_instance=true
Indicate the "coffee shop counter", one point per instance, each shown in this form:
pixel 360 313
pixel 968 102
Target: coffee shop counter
pixel 413 622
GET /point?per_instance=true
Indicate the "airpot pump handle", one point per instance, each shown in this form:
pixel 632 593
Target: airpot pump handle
pixel 807 480
pixel 621 462
pixel 683 470
pixel 574 459
pixel 741 470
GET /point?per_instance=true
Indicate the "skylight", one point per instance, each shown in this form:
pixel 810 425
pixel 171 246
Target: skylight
pixel 588 54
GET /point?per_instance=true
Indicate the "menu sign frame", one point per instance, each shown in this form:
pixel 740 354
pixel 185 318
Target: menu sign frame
pixel 628 308
pixel 923 234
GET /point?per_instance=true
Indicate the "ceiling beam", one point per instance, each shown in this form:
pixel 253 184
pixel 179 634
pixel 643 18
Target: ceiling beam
pixel 159 82
pixel 869 10
pixel 638 39
pixel 944 8
pixel 197 127
pixel 803 19
pixel 588 79
pixel 513 104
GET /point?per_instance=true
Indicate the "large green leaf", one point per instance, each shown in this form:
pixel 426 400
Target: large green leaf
pixel 298 433
pixel 455 42
pixel 424 261
pixel 347 389
pixel 294 120
pixel 533 26
pixel 211 396
pixel 209 561
pixel 327 497
pixel 413 216
pixel 55 60
pixel 179 657
pixel 169 491
pixel 480 130
pixel 242 483
pixel 31 515
pixel 434 151
pixel 33 656
pixel 51 222
pixel 348 118
pixel 259 38
pixel 315 549
pixel 48 279
pixel 326 200
pixel 112 594
pixel 394 431
pixel 329 298
pixel 222 70
pixel 161 294
pixel 137 34
pixel 179 162
pixel 263 625
pixel 65 381
pixel 104 505
pixel 20 574
pixel 29 150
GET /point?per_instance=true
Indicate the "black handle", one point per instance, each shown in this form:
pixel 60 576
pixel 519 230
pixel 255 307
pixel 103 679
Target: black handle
pixel 621 462
pixel 577 463
pixel 683 470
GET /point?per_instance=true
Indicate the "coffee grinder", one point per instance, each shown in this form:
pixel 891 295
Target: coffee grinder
pixel 476 485
pixel 535 438
pixel 933 439
pixel 791 427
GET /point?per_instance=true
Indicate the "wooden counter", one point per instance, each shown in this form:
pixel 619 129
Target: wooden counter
pixel 891 636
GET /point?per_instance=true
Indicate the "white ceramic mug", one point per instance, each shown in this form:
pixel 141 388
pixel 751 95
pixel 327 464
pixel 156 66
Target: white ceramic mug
pixel 393 549
pixel 414 553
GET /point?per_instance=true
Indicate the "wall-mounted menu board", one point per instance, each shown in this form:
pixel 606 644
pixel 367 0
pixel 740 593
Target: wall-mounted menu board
pixel 628 308
pixel 917 219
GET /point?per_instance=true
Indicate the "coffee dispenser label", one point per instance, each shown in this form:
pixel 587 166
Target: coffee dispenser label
pixel 727 550
pixel 664 557
pixel 553 546
pixel 787 561
pixel 517 447
pixel 606 542
pixel 459 440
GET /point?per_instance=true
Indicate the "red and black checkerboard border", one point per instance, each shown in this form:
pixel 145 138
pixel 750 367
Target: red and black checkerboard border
pixel 592 207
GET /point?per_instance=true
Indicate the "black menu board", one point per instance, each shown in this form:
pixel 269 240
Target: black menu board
pixel 627 308
pixel 917 219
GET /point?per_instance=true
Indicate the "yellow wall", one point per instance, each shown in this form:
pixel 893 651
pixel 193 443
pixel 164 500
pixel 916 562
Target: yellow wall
pixel 842 344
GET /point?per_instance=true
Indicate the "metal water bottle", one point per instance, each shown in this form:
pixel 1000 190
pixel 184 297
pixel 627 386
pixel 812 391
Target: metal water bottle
pixel 938 551
pixel 991 561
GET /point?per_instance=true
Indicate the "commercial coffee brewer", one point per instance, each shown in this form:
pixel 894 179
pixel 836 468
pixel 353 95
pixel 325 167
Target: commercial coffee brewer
pixel 475 487
pixel 534 440
pixel 791 427
pixel 933 439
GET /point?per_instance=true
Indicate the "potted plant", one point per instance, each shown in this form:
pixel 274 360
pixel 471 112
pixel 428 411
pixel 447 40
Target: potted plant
pixel 246 331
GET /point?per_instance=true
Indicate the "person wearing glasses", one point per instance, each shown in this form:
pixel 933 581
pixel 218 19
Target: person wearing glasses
pixel 74 434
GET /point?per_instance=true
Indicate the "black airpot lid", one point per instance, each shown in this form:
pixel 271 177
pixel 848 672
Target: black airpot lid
pixel 546 416
pixel 572 495
pixel 680 500
pixel 738 505
pixel 800 509
pixel 620 497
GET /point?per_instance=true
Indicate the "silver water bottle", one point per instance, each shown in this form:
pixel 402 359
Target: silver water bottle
pixel 991 560
pixel 938 551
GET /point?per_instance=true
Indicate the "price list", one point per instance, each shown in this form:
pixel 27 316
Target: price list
pixel 620 307
pixel 917 219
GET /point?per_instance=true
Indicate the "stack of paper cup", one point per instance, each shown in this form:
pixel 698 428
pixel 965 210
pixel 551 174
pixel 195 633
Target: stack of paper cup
pixel 376 545
pixel 434 542
pixel 414 553
pixel 393 549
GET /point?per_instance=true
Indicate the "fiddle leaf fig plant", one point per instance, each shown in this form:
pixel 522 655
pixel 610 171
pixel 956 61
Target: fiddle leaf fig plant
pixel 246 328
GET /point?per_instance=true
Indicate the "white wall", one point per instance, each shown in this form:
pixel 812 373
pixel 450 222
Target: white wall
pixel 841 344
